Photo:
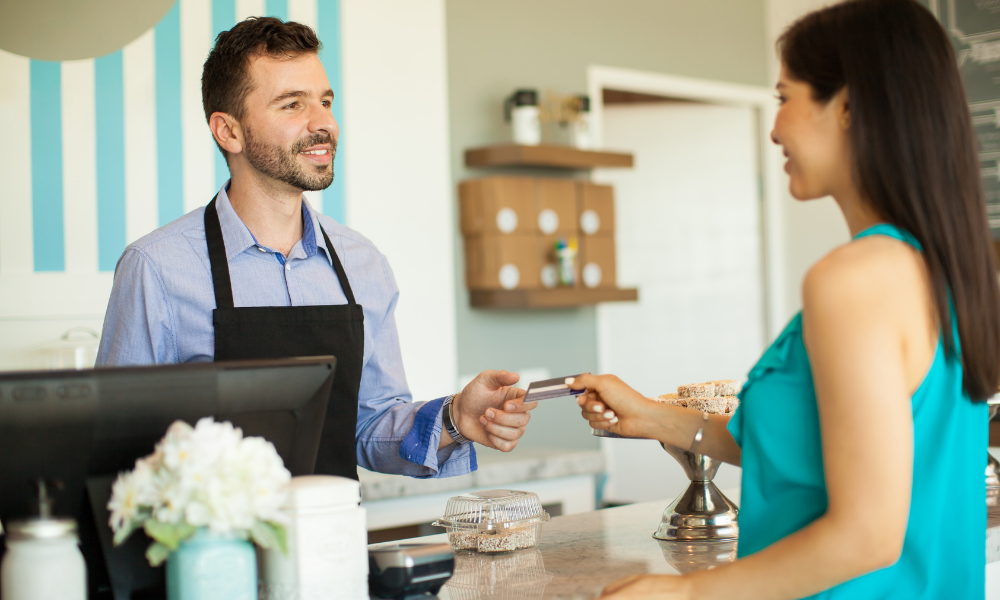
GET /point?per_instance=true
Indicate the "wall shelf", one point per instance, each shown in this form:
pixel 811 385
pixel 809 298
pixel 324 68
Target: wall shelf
pixel 550 298
pixel 565 157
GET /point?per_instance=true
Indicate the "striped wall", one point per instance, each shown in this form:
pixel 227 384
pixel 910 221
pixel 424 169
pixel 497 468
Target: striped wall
pixel 96 153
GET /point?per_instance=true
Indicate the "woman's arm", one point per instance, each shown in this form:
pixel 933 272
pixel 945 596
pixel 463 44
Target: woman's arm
pixel 634 415
pixel 856 315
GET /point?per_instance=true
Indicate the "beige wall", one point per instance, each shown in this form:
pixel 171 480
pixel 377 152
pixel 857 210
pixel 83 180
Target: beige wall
pixel 495 46
pixel 811 228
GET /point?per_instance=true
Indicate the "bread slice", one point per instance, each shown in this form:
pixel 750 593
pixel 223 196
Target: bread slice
pixel 715 405
pixel 726 387
pixel 696 390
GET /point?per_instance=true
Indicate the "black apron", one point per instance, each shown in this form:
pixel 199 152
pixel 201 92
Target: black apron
pixel 287 331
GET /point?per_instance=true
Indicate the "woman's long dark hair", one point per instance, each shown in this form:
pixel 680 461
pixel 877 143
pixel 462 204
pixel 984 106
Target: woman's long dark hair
pixel 915 154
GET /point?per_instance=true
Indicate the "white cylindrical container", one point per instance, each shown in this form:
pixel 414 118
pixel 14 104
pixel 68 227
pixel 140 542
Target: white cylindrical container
pixel 582 134
pixel 327 544
pixel 43 562
pixel 521 110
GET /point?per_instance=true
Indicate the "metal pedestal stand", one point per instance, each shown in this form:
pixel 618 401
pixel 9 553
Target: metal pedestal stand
pixel 702 513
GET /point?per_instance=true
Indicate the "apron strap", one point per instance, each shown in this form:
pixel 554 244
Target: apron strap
pixel 217 258
pixel 220 265
pixel 339 268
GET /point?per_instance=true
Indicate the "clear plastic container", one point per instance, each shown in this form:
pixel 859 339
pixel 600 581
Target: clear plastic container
pixel 494 521
pixel 511 576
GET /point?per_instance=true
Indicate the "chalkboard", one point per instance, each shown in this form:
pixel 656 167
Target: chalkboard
pixel 974 29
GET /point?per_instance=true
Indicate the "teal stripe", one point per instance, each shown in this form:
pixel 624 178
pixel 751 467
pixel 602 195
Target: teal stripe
pixel 279 8
pixel 110 124
pixel 169 149
pixel 223 19
pixel 47 166
pixel 329 34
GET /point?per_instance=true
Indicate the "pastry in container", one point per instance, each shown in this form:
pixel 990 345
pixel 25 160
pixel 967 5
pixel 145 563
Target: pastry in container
pixel 493 521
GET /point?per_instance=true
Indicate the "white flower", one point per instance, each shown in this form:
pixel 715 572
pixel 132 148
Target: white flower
pixel 208 475
pixel 124 505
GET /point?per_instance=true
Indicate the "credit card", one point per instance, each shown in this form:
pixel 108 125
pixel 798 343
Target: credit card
pixel 550 388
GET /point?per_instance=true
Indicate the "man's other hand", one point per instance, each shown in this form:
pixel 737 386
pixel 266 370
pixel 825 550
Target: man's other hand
pixel 491 412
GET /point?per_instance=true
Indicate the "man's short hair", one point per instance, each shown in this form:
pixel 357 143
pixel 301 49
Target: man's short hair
pixel 225 78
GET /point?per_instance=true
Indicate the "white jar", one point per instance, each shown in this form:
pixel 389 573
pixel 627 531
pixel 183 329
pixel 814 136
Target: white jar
pixel 43 562
pixel 521 109
pixel 327 544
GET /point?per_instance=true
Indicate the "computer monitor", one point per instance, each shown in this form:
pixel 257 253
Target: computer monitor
pixel 81 428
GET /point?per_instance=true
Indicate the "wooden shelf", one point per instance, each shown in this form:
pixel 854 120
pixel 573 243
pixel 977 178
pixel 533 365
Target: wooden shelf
pixel 566 157
pixel 554 298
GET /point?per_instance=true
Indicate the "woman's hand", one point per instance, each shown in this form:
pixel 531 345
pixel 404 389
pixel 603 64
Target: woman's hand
pixel 660 587
pixel 609 403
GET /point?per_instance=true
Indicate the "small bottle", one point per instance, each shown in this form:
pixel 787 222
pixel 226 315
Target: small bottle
pixel 566 253
pixel 327 543
pixel 521 110
pixel 582 132
pixel 43 559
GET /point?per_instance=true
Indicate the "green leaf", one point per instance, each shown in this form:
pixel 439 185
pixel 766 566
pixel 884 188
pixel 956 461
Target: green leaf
pixel 168 534
pixel 122 534
pixel 156 554
pixel 269 535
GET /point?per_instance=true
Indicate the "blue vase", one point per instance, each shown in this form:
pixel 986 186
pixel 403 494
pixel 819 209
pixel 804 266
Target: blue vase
pixel 212 566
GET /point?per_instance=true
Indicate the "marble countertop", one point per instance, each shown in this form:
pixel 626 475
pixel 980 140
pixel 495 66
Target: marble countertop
pixel 496 469
pixel 580 554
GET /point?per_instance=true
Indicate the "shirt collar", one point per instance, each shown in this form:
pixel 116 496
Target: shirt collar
pixel 239 239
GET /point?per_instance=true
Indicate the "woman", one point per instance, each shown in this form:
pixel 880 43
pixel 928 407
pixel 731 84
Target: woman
pixel 861 430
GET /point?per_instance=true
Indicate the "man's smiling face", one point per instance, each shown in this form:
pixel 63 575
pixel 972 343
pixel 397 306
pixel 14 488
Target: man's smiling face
pixel 290 133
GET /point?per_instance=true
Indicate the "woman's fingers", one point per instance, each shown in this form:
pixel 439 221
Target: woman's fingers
pixel 584 381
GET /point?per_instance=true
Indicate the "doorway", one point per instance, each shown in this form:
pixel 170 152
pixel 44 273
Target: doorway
pixel 691 223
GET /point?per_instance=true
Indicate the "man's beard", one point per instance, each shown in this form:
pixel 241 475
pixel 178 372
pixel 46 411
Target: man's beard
pixel 278 163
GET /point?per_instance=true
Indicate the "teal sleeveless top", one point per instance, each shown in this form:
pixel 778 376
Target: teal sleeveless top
pixel 783 486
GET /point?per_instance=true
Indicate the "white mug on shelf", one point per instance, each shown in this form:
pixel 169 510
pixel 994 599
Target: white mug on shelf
pixel 521 110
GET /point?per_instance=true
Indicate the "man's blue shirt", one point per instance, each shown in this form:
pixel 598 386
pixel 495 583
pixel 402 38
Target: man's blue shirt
pixel 161 312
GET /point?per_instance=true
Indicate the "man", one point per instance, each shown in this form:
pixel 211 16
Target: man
pixel 259 274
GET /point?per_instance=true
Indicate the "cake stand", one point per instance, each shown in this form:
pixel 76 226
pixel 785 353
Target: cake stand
pixel 702 513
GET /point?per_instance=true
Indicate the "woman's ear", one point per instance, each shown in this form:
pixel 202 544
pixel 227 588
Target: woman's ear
pixel 227 132
pixel 841 104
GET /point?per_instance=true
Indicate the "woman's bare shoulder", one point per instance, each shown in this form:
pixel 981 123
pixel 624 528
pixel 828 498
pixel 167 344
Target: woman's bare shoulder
pixel 873 271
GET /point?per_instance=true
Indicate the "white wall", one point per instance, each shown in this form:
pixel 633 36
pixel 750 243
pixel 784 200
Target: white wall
pixel 395 135
pixel 394 140
pixel 813 228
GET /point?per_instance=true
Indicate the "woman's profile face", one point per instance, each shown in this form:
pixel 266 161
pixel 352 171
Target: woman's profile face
pixel 814 138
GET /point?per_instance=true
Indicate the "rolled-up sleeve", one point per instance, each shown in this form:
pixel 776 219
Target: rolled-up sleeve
pixel 395 434
pixel 138 325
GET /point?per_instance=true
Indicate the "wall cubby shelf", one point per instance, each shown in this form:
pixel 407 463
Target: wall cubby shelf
pixel 550 298
pixel 564 157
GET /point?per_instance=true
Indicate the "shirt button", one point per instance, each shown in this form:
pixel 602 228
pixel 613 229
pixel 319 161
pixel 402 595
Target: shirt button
pixel 261 249
pixel 288 267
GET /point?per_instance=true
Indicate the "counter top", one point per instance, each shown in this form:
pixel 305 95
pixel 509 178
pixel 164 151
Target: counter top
pixel 580 554
pixel 496 469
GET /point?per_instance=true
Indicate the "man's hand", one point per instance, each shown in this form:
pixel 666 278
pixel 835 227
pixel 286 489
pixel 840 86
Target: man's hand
pixel 491 412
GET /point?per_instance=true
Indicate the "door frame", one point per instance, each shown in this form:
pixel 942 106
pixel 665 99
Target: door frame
pixel 770 174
